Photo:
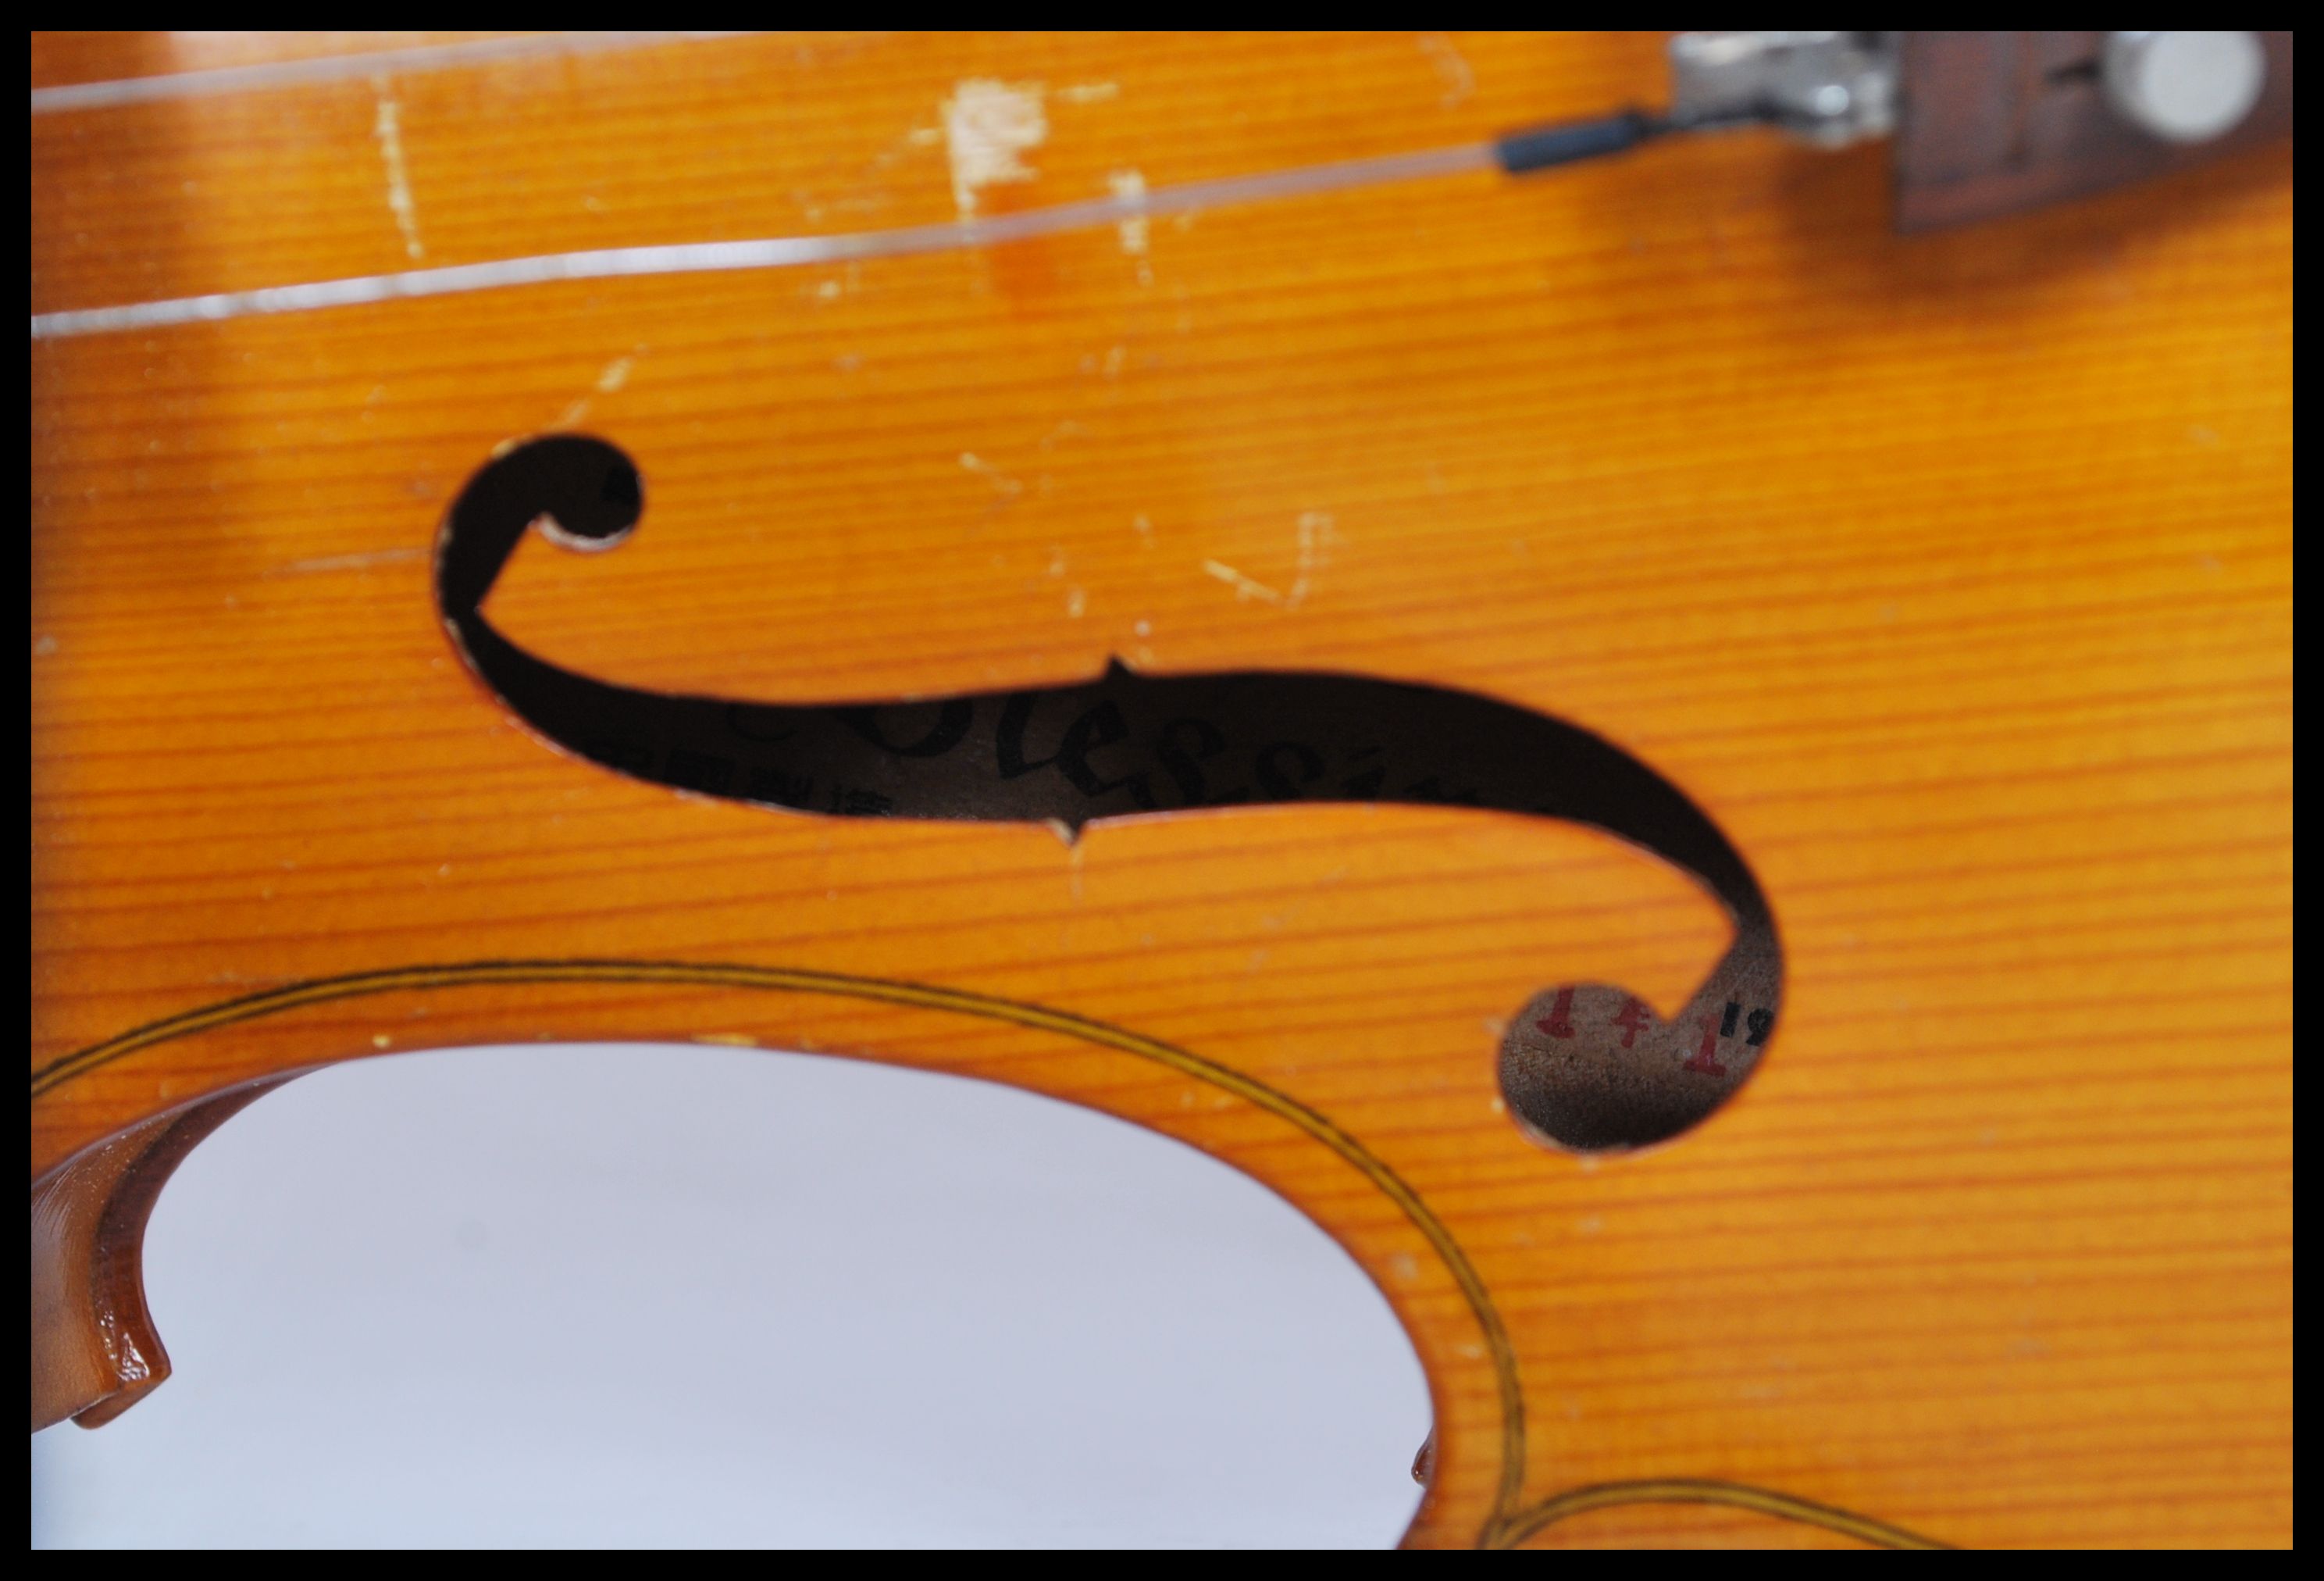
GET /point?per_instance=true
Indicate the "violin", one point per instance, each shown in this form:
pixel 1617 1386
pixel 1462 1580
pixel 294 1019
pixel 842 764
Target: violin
pixel 1677 725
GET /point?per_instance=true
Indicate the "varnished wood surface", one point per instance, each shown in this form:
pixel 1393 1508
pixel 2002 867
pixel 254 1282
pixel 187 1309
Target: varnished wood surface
pixel 69 59
pixel 1952 576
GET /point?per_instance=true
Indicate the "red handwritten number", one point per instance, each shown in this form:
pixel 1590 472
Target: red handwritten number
pixel 1706 1058
pixel 1632 1021
pixel 1559 1023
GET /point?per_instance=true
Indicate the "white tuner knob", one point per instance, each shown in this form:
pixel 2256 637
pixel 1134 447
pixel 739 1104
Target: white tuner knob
pixel 2184 87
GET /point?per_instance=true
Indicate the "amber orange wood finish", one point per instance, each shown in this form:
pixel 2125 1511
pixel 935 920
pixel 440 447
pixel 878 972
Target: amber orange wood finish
pixel 1953 575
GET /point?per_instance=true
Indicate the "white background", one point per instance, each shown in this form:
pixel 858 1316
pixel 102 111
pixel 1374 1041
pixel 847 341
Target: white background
pixel 705 1296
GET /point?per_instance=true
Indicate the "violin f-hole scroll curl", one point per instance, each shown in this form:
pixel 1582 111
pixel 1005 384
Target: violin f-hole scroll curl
pixel 1587 1065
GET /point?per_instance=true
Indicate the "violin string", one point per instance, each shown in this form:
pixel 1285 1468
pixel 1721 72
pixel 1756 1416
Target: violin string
pixel 273 74
pixel 768 251
pixel 1517 153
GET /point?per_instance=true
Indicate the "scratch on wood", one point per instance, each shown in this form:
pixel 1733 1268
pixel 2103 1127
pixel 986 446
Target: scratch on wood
pixel 1245 589
pixel 989 126
pixel 616 374
pixel 1088 93
pixel 1137 231
pixel 1460 81
pixel 1001 482
pixel 1316 537
pixel 350 562
pixel 389 132
pixel 846 282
